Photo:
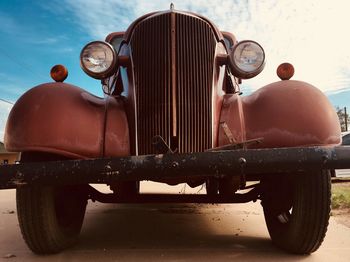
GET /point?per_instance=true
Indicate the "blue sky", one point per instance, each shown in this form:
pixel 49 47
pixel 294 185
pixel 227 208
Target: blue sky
pixel 35 35
pixel 33 38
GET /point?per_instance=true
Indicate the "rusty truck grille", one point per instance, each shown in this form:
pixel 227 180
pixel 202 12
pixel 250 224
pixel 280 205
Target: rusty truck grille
pixel 165 82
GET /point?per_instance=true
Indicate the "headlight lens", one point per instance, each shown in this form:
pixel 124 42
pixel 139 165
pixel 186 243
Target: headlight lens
pixel 247 59
pixel 98 59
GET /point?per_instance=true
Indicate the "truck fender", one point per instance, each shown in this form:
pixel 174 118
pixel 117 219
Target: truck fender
pixel 285 114
pixel 64 119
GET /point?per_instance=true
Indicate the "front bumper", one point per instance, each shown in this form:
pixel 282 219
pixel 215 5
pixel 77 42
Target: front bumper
pixel 257 162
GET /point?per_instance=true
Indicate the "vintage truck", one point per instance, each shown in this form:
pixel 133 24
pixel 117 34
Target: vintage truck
pixel 173 112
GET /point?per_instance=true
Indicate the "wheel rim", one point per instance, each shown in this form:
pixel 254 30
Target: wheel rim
pixel 285 217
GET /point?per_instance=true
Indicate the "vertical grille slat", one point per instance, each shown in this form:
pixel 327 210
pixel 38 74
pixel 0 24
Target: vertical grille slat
pixel 168 86
pixel 151 46
pixel 196 123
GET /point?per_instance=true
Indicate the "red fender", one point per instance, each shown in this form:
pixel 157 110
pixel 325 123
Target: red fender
pixel 285 114
pixel 64 119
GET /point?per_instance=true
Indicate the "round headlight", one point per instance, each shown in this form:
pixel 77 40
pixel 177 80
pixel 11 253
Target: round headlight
pixel 98 59
pixel 247 59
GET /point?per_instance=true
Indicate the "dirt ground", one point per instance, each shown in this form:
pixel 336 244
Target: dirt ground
pixel 342 216
pixel 169 232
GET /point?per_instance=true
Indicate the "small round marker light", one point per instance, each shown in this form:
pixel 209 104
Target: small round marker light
pixel 59 73
pixel 285 71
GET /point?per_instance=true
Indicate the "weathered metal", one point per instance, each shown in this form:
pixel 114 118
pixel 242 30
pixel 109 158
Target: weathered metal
pixel 171 166
pixel 67 120
pixel 160 146
pixel 286 114
pixel 174 81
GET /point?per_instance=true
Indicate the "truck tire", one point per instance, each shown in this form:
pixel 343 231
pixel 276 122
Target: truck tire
pixel 298 223
pixel 50 218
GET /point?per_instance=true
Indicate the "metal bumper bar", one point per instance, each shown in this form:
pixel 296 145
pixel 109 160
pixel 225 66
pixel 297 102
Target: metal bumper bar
pixel 169 166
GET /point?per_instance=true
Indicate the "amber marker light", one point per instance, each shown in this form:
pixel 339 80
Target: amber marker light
pixel 59 73
pixel 285 71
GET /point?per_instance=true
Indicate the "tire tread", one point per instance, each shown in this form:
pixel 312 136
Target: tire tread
pixel 307 227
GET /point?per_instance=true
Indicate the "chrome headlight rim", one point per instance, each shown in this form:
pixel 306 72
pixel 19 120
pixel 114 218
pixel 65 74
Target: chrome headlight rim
pixel 104 74
pixel 238 72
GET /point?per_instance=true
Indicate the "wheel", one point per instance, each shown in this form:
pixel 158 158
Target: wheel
pixel 297 211
pixel 50 218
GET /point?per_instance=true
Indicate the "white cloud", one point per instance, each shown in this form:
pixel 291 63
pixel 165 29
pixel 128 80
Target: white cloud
pixel 46 40
pixel 312 35
pixel 5 109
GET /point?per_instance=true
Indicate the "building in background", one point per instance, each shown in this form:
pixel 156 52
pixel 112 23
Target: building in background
pixel 7 157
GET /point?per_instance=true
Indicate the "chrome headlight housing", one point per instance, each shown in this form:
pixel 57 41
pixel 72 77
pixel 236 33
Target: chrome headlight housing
pixel 247 59
pixel 98 59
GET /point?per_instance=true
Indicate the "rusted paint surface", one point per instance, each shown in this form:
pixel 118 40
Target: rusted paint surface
pixel 116 140
pixel 291 113
pixel 175 82
pixel 64 119
pixel 131 28
pixel 231 37
pixel 173 72
pixel 219 73
pixel 285 114
pixel 232 117
pixel 113 35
